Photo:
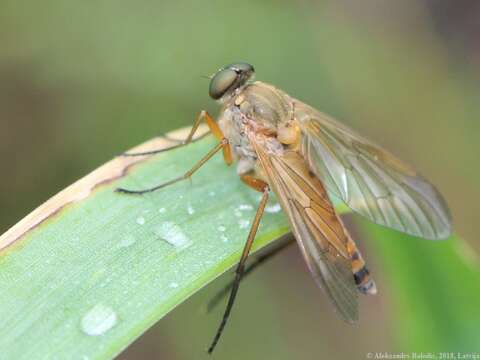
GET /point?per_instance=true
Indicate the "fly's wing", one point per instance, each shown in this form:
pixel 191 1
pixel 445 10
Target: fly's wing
pixel 371 181
pixel 319 233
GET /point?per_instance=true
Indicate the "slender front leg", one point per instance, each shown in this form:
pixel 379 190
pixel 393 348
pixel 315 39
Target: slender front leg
pixel 222 144
pixel 214 129
pixel 261 186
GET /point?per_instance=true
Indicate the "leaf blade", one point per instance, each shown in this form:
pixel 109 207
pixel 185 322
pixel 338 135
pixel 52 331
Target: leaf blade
pixel 104 250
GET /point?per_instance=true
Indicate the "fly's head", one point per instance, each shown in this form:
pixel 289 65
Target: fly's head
pixel 229 80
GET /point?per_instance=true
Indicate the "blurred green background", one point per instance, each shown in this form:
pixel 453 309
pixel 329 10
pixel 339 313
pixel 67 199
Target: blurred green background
pixel 83 81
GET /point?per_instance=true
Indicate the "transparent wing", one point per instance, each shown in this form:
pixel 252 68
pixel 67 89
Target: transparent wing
pixel 319 233
pixel 371 181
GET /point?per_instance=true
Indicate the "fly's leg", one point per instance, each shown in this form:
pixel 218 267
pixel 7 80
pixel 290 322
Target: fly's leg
pixel 222 145
pixel 178 144
pixel 262 187
pixel 203 116
pixel 248 270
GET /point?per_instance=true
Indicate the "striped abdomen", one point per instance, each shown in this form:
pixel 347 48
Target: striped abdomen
pixel 362 277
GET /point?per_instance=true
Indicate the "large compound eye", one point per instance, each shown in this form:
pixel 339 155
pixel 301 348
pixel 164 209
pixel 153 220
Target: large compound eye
pixel 241 67
pixel 229 79
pixel 221 82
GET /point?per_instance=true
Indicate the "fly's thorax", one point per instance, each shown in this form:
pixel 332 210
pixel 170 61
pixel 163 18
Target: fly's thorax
pixel 272 110
pixel 262 111
pixel 234 127
pixel 264 104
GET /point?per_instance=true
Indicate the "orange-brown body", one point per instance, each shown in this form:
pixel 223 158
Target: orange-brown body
pixel 261 115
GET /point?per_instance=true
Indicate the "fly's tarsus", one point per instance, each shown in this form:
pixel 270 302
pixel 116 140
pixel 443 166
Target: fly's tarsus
pixel 185 176
pixel 133 192
pixel 151 152
pixel 256 184
pixel 152 189
pixel 178 144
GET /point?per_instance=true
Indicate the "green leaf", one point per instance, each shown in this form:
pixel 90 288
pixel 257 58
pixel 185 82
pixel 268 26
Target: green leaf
pixel 91 270
pixel 100 268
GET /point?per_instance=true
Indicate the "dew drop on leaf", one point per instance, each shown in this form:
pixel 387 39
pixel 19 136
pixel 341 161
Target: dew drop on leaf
pixel 245 207
pixel 98 320
pixel 173 234
pixel 273 208
pixel 243 224
pixel 127 241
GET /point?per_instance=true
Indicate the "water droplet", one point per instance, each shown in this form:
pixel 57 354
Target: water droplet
pixel 162 210
pixel 246 207
pixel 127 241
pixel 98 320
pixel 273 208
pixel 221 228
pixel 243 224
pixel 190 209
pixel 211 193
pixel 140 220
pixel 238 213
pixel 173 234
pixel 224 238
pixel 173 285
